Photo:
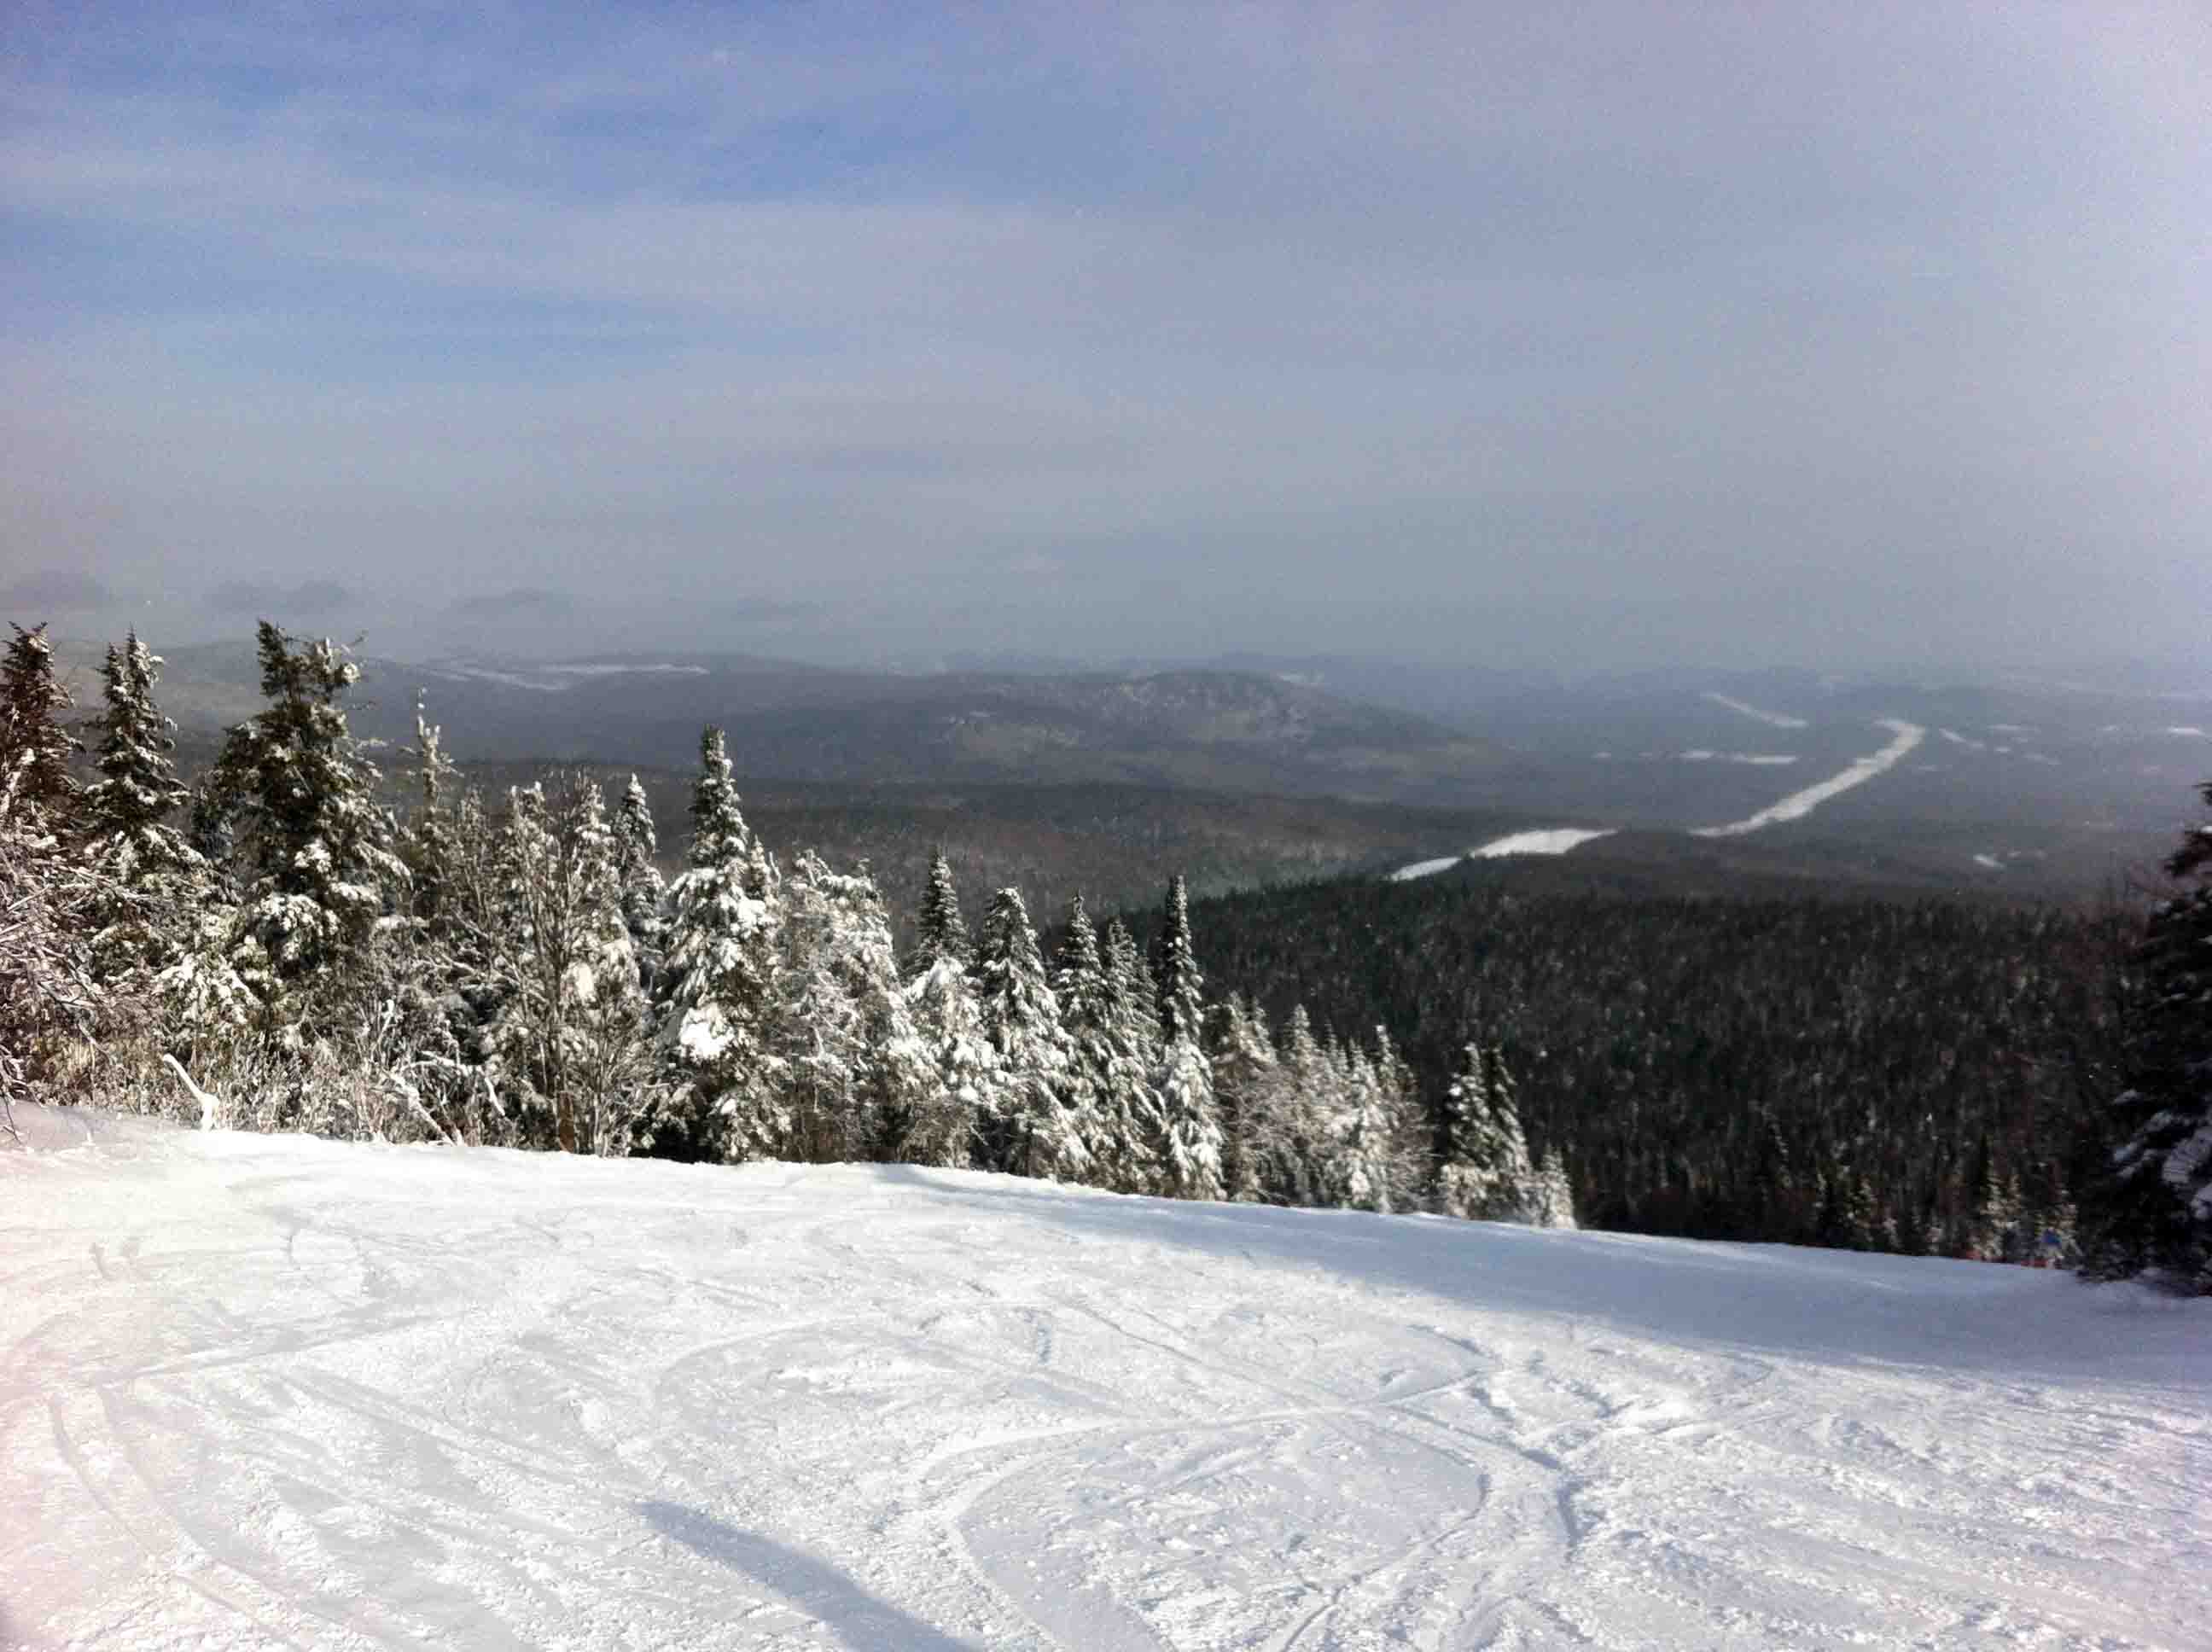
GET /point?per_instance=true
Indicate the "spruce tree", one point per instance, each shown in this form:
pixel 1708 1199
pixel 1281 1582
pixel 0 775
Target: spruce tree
pixel 1126 1130
pixel 1188 1149
pixel 644 893
pixel 1078 983
pixel 2150 1213
pixel 35 746
pixel 1485 1173
pixel 1246 1080
pixel 569 1036
pixel 718 976
pixel 1032 1132
pixel 293 794
pixel 156 882
pixel 940 934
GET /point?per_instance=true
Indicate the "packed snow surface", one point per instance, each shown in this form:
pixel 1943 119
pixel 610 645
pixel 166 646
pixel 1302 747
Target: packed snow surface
pixel 1555 840
pixel 264 1391
pixel 1798 805
pixel 1771 718
pixel 1426 868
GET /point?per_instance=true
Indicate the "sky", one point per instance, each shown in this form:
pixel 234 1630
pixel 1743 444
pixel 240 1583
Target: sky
pixel 1574 337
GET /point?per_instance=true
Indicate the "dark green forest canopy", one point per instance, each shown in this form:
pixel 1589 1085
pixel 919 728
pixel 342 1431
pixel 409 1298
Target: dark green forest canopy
pixel 1711 1068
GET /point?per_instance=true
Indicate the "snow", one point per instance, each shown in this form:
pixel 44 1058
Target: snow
pixel 1989 862
pixel 267 1390
pixel 1556 839
pixel 1957 739
pixel 2189 730
pixel 1772 719
pixel 1426 868
pixel 1798 805
pixel 1760 759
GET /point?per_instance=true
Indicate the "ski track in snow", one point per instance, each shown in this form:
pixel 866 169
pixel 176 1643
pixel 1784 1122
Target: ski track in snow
pixel 1771 718
pixel 1798 805
pixel 267 1390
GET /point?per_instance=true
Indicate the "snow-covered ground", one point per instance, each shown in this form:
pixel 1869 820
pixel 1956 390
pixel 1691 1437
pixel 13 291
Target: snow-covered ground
pixel 1426 868
pixel 1756 759
pixel 1798 805
pixel 267 1392
pixel 1555 840
pixel 1771 718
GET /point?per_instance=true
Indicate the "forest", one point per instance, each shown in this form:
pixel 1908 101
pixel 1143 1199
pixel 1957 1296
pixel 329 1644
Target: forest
pixel 276 946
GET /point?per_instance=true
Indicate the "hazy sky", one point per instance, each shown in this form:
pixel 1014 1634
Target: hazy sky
pixel 1575 335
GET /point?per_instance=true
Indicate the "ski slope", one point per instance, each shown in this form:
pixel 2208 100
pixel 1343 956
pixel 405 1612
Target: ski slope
pixel 271 1392
pixel 1905 738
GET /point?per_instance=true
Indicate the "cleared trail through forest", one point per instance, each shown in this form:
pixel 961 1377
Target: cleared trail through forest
pixel 269 1392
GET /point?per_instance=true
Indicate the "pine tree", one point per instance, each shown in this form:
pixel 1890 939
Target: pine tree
pixel 2151 1212
pixel 1555 1206
pixel 1176 975
pixel 427 845
pixel 718 977
pixel 36 747
pixel 295 794
pixel 1031 1131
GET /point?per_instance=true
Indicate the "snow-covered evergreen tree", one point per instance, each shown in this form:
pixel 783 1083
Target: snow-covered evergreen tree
pixel 295 793
pixel 718 976
pixel 1485 1173
pixel 569 1036
pixel 1188 1148
pixel 1362 1139
pixel 644 892
pixel 35 746
pixel 1078 983
pixel 1124 1124
pixel 2152 1212
pixel 1246 1081
pixel 157 883
pixel 938 1126
pixel 1032 1130
pixel 1555 1199
pixel 847 1061
pixel 48 992
pixel 1287 1131
pixel 940 932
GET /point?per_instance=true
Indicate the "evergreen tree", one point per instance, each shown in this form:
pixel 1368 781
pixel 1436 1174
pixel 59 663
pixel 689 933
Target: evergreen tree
pixel 2151 1212
pixel 1032 1131
pixel 156 883
pixel 295 794
pixel 1484 1174
pixel 940 934
pixel 1188 1149
pixel 938 1127
pixel 1362 1137
pixel 1555 1204
pixel 570 1032
pixel 35 748
pixel 1079 984
pixel 644 893
pixel 844 1048
pixel 426 846
pixel 718 976
pixel 1246 1081
pixel 1127 1125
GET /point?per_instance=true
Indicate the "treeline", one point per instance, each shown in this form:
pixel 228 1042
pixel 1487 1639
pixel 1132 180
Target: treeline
pixel 1920 1078
pixel 278 948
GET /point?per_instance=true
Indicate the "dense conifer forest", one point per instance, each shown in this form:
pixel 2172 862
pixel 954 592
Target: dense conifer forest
pixel 277 946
